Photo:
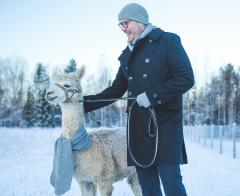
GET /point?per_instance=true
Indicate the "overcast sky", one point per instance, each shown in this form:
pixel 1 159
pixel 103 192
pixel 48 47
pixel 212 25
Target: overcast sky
pixel 54 31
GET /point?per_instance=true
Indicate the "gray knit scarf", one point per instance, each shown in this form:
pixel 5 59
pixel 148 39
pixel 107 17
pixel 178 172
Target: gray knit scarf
pixel 63 161
pixel 147 30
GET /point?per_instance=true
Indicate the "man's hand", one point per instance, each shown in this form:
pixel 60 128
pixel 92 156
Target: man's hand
pixel 143 101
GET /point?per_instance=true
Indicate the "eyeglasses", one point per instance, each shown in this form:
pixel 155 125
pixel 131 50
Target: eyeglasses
pixel 124 24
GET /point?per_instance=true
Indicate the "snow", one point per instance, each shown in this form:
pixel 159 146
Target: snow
pixel 26 163
pixel 210 173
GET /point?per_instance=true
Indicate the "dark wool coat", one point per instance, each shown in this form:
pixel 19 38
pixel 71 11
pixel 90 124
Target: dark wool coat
pixel 159 66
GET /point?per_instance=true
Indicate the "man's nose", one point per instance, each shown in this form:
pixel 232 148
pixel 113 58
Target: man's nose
pixel 124 29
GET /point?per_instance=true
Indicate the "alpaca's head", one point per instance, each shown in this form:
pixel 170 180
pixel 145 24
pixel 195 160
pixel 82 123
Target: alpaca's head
pixel 65 88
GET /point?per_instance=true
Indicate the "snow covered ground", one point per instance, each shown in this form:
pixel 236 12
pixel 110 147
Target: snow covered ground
pixel 26 163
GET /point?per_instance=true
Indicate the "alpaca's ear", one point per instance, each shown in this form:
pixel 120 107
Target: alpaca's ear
pixel 80 72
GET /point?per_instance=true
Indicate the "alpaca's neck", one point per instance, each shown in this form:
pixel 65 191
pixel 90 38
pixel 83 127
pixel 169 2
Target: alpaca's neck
pixel 72 118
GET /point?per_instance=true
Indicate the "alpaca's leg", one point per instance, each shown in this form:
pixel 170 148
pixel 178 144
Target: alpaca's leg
pixel 105 189
pixel 88 188
pixel 134 183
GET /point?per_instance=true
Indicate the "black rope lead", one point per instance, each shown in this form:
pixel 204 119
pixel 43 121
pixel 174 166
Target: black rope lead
pixel 107 100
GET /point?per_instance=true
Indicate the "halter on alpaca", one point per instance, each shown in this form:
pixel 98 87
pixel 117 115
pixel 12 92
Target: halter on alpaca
pixel 66 91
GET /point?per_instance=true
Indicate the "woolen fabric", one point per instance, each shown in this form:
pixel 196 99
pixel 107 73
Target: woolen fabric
pixel 134 11
pixel 63 161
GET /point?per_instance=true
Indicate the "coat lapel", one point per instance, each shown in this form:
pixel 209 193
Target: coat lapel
pixel 124 58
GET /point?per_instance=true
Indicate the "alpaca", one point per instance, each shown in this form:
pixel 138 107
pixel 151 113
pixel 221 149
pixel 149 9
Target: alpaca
pixel 105 161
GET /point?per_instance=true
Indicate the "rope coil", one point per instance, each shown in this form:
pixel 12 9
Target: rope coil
pixel 152 116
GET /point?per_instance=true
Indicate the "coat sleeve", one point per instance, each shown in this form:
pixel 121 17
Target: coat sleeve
pixel 181 74
pixel 116 90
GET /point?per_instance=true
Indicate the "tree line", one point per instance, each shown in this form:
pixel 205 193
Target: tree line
pixel 217 101
pixel 22 102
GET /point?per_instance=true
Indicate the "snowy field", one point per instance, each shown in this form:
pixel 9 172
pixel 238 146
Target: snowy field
pixel 26 163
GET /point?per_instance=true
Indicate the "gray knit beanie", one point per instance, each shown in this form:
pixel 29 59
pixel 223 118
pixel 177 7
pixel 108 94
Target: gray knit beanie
pixel 134 11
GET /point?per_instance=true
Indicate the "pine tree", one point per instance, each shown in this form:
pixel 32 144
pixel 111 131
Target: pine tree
pixel 28 109
pixel 230 82
pixel 57 115
pixel 44 112
pixel 71 67
pixel 41 79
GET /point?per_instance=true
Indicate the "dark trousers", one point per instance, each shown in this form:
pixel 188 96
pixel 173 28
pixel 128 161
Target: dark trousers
pixel 170 176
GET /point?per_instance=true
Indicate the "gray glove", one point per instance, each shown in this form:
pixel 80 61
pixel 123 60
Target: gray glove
pixel 142 100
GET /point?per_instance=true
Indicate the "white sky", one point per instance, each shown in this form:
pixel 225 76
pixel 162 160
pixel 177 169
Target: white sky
pixel 55 31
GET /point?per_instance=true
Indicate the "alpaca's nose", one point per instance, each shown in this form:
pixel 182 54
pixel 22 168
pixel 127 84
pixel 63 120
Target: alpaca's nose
pixel 49 93
pixel 47 96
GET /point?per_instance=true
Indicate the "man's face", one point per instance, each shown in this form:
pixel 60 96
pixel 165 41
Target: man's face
pixel 131 28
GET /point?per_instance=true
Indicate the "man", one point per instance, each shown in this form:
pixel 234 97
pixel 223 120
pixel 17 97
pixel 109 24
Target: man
pixel 155 68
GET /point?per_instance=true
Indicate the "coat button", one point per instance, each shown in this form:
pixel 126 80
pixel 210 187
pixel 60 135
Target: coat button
pixel 130 78
pixel 159 102
pixel 129 94
pixel 150 40
pixel 147 60
pixel 145 76
pixel 154 95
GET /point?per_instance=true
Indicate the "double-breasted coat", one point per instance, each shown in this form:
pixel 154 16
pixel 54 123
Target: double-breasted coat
pixel 159 66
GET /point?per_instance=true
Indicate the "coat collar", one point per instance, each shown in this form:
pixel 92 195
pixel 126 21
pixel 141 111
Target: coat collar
pixel 124 56
pixel 154 35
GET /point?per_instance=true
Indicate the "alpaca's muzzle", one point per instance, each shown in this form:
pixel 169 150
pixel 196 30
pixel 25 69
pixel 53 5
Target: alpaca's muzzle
pixel 48 96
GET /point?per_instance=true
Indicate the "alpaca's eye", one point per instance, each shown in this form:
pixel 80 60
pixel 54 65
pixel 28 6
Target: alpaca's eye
pixel 66 86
